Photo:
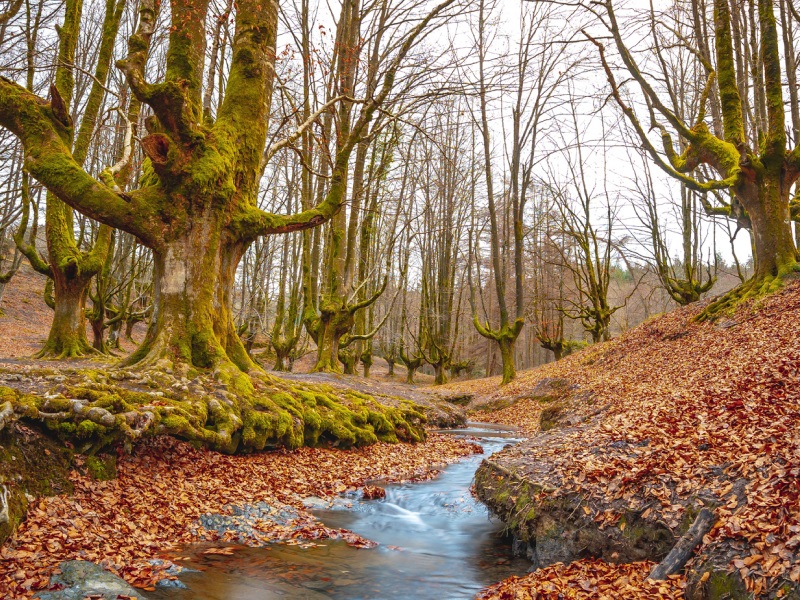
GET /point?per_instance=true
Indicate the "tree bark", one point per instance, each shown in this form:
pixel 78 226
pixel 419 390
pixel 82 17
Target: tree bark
pixel 67 337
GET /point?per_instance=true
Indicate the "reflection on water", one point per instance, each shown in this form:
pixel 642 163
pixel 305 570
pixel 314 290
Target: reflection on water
pixel 436 542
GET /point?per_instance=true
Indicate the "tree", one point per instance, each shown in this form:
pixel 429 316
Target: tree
pixel 744 147
pixel 684 279
pixel 196 208
pixel 590 249
pixel 69 266
pixel 538 73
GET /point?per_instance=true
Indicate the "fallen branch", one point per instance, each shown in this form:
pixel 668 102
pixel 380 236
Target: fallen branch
pixel 682 550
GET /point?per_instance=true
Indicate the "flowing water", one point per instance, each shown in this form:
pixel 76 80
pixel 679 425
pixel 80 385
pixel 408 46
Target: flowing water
pixel 436 543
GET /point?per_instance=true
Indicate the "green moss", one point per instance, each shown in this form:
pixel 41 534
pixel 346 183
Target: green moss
pixel 551 415
pixel 175 423
pixel 724 586
pixel 30 464
pixel 102 467
pixel 89 429
pixel 752 290
pixel 58 405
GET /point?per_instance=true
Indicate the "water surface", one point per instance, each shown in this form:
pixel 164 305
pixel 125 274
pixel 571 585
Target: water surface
pixel 436 543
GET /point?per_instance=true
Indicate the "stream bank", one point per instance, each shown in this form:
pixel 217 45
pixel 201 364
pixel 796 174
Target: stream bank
pixel 427 539
pixel 434 542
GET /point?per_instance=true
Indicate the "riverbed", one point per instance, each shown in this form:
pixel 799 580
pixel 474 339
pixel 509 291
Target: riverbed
pixel 435 542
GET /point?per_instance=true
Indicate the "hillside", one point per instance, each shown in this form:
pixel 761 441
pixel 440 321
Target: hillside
pixel 641 433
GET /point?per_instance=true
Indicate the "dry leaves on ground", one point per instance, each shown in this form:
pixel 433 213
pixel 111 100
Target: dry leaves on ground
pixel 587 579
pixel 687 411
pixel 164 487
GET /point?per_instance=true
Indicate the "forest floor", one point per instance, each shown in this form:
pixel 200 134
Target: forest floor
pixel 671 416
pixel 136 523
pixel 155 503
pixel 647 429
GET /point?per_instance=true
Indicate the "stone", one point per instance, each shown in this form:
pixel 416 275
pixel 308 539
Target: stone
pixel 81 578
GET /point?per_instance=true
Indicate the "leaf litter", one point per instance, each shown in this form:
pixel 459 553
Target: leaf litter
pixel 672 415
pixel 152 509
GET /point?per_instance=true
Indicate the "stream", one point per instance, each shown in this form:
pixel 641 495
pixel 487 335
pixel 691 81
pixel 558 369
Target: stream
pixel 436 543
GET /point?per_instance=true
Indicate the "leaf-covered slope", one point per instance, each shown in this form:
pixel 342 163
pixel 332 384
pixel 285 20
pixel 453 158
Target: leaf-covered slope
pixel 676 414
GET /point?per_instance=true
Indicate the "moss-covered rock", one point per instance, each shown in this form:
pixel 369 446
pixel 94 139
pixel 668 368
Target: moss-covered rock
pixel 711 579
pixel 31 464
pixel 558 529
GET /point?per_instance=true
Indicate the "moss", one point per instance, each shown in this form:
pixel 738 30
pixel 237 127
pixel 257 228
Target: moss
pixel 89 429
pixel 175 423
pixel 102 467
pixel 724 586
pixel 551 415
pixel 752 290
pixel 30 464
pixel 248 416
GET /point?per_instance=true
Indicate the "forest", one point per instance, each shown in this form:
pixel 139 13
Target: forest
pixel 236 232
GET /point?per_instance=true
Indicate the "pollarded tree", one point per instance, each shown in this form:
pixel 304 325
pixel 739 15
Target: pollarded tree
pixel 688 278
pixel 538 72
pixel 197 205
pixel 333 294
pixel 745 148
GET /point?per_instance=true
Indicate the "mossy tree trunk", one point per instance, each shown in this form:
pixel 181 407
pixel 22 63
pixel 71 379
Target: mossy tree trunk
pixel 287 327
pixel 333 311
pixel 67 337
pixel 197 207
pixel 758 170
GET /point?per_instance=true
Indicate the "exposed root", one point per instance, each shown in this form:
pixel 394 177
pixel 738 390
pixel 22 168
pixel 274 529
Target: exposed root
pixel 6 412
pixel 229 411
pixel 75 349
pixel 751 290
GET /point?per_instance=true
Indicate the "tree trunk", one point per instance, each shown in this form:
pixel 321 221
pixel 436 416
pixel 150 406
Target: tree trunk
pixel 440 373
pixel 129 325
pixel 507 354
pixel 331 326
pixel 67 338
pixel 192 319
pixel 366 360
pixel 281 356
pixel 98 334
pixel 348 358
pixel 391 368
pixel 113 336
pixel 772 233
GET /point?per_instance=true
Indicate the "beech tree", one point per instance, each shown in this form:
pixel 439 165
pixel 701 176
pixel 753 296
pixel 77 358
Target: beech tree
pixel 539 70
pixel 196 206
pixel 686 279
pixel 197 211
pixel 743 143
pixel 69 266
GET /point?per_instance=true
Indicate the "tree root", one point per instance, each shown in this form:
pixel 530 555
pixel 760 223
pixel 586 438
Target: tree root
pixel 750 290
pixel 78 349
pixel 229 412
pixel 6 413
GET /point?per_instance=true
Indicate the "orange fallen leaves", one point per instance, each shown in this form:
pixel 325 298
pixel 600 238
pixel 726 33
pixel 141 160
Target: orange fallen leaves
pixel 165 486
pixel 682 414
pixel 587 579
